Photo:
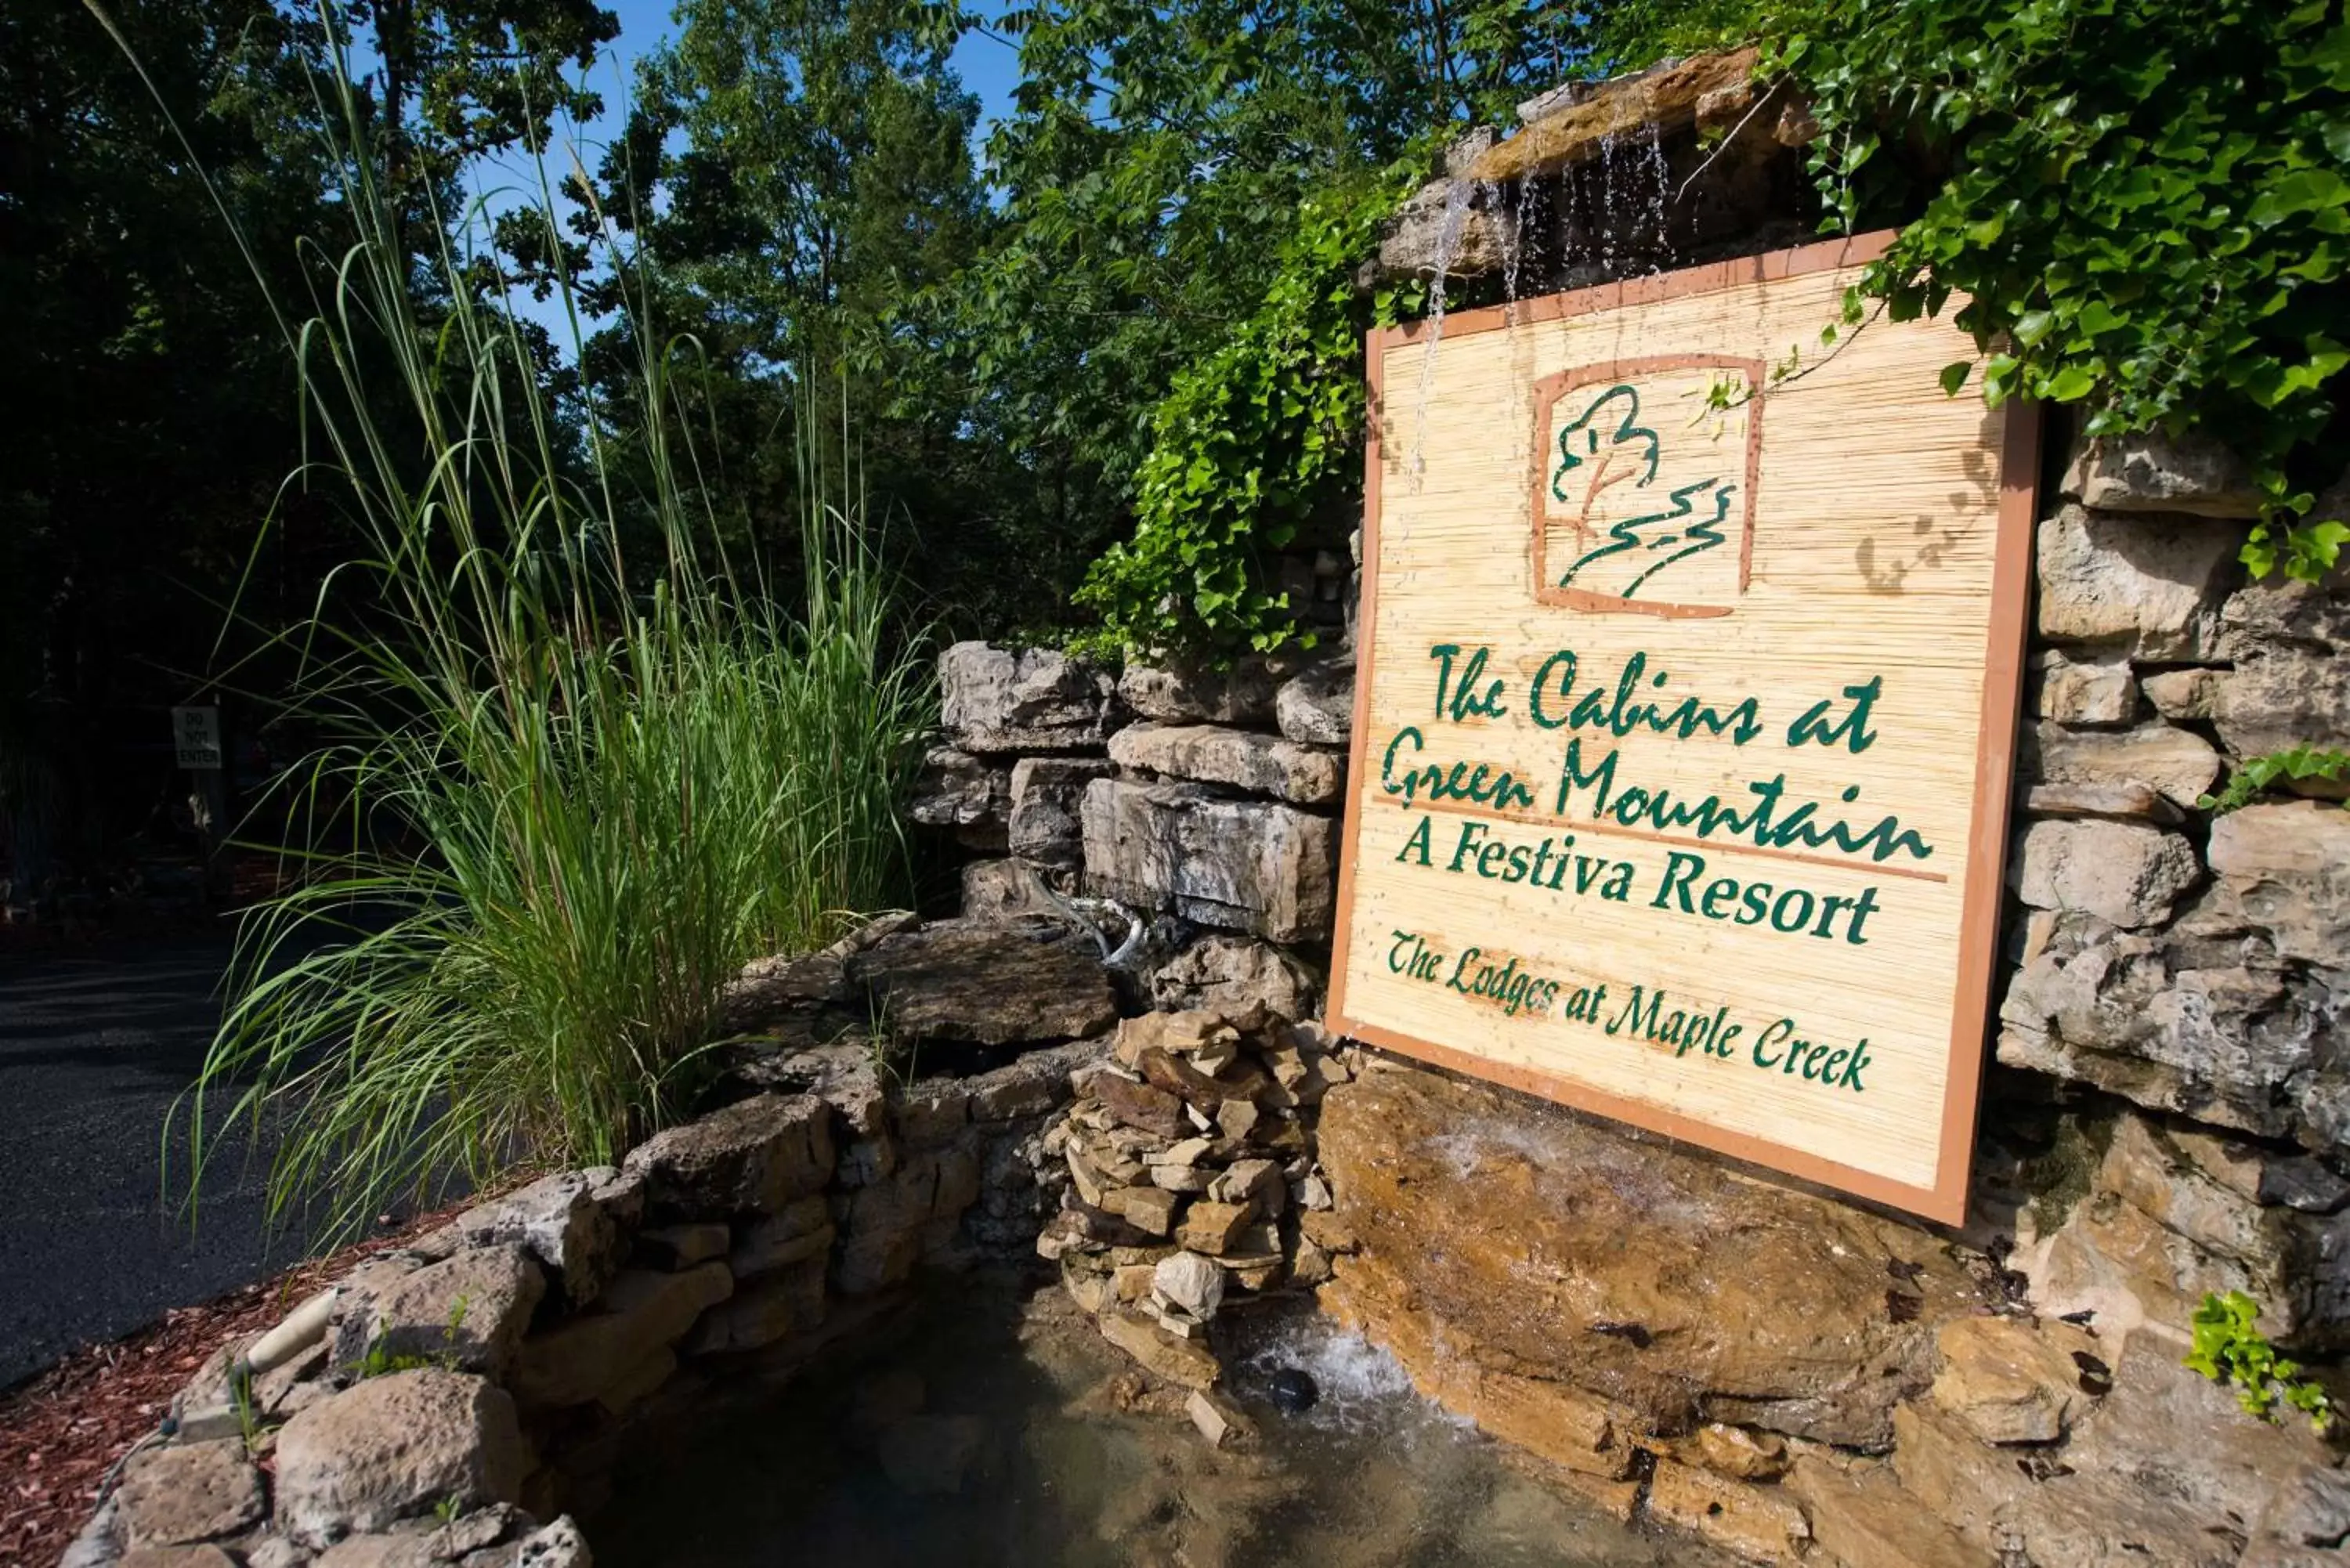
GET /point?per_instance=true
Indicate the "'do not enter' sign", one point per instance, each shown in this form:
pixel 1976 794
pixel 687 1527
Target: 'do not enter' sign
pixel 1684 716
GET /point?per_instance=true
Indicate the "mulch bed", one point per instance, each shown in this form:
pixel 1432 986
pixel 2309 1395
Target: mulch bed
pixel 61 1430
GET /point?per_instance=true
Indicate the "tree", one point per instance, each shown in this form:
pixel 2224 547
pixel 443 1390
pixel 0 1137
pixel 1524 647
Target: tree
pixel 154 415
pixel 792 171
pixel 1155 181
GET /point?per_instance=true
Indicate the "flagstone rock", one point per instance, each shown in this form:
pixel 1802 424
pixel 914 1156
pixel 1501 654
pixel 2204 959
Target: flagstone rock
pixel 969 793
pixel 2178 764
pixel 2085 691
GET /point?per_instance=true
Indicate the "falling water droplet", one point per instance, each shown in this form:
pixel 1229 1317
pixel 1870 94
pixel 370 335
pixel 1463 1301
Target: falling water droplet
pixel 1448 245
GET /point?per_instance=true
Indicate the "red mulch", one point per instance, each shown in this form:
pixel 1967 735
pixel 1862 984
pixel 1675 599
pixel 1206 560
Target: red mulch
pixel 61 1430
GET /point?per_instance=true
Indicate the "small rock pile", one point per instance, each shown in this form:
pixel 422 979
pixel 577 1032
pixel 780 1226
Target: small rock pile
pixel 1193 1181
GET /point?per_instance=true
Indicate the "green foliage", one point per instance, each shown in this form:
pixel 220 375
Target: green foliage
pixel 2255 775
pixel 1252 442
pixel 2231 1352
pixel 568 785
pixel 2144 200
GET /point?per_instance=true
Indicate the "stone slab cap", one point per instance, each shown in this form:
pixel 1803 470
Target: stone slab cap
pixel 1024 700
pixel 1672 98
pixel 394 1447
pixel 752 1157
pixel 2156 473
pixel 1244 759
pixel 995 983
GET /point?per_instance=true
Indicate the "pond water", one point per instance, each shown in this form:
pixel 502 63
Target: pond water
pixel 995 1426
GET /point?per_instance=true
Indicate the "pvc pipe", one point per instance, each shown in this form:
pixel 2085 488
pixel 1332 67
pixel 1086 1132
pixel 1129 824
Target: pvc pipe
pixel 302 1328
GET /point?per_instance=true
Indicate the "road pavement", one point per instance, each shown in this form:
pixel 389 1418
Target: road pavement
pixel 95 1046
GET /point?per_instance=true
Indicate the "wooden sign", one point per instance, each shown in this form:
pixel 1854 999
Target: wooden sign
pixel 1684 716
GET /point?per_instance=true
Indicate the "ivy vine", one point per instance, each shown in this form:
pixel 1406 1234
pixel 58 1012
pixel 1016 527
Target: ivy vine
pixel 2143 200
pixel 1250 442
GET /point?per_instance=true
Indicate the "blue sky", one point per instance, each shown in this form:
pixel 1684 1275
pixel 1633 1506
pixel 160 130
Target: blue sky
pixel 987 64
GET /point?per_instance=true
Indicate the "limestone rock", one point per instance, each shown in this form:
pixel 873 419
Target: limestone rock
pixel 2123 874
pixel 799 1230
pixel 752 1157
pixel 2171 1433
pixel 2283 696
pixel 994 891
pixel 1438 229
pixel 557 1545
pixel 1221 1421
pixel 188 1492
pixel 2086 690
pixel 1241 695
pixel 394 1447
pixel 1862 1515
pixel 2178 764
pixel 1538 1242
pixel 2310 1508
pixel 576 1222
pixel 1963 1482
pixel 470 1312
pixel 996 699
pixel 403 1550
pixel 2156 473
pixel 1755 1524
pixel 997 984
pixel 969 793
pixel 2014 1380
pixel 644 1311
pixel 1316 706
pixel 1213 1228
pixel 2179 694
pixel 2286 868
pixel 1180 1361
pixel 1248 865
pixel 683 1246
pixel 2148 585
pixel 1244 759
pixel 1587 123
pixel 788 1302
pixel 2172 1214
pixel 1191 1282
pixel 2204 1018
pixel 2128 802
pixel 1047 793
pixel 1735 1452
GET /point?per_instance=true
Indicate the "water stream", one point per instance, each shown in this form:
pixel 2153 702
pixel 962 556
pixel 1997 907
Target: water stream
pixel 995 1426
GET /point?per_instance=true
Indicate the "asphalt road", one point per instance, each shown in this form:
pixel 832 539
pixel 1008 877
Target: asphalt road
pixel 95 1046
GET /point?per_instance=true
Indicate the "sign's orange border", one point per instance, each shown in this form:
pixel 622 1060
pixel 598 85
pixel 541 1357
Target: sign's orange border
pixel 2003 652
